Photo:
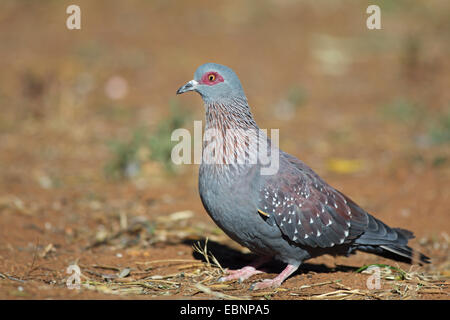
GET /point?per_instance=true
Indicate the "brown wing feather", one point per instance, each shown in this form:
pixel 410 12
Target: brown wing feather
pixel 309 211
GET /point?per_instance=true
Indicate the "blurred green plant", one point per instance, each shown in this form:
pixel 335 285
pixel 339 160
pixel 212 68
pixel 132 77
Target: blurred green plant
pixel 439 132
pixel 439 161
pixel 160 142
pixel 402 110
pixel 125 162
pixel 341 135
pixel 395 6
pixel 128 156
pixel 297 95
pixel 115 111
pixel 435 126
pixel 91 51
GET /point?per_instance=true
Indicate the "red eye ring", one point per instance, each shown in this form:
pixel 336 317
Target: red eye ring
pixel 211 78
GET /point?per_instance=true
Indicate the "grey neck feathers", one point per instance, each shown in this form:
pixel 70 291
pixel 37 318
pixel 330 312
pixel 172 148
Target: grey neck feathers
pixel 231 137
pixel 230 113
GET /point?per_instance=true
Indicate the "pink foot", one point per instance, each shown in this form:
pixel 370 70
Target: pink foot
pixel 241 274
pixel 277 281
pixel 245 272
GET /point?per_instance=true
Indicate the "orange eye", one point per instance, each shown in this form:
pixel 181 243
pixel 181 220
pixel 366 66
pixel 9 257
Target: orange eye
pixel 211 77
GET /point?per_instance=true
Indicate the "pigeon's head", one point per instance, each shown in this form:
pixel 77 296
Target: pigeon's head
pixel 215 83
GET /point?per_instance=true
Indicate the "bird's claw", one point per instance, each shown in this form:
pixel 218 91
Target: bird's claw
pixel 241 274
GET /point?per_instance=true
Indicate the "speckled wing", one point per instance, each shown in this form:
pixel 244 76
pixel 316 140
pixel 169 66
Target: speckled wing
pixel 307 210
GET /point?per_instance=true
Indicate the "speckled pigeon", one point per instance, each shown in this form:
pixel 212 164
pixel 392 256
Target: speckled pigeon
pixel 290 215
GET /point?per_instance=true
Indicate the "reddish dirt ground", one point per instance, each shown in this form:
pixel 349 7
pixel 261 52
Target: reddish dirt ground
pixel 367 110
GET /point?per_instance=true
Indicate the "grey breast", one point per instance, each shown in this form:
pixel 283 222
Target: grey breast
pixel 231 201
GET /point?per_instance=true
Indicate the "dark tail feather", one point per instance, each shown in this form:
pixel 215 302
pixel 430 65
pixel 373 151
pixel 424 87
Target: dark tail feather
pixel 397 253
pixel 405 254
pixel 391 243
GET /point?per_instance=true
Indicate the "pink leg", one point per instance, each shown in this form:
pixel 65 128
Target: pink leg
pixel 245 272
pixel 275 282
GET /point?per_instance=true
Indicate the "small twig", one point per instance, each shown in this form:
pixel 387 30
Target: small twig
pixel 166 260
pixel 34 259
pixel 190 266
pixel 154 280
pixel 106 267
pixel 338 293
pixel 203 252
pixel 131 229
pixel 102 275
pixel 5 276
pixel 159 277
pixel 216 294
pixel 315 285
pixel 343 286
pixel 216 262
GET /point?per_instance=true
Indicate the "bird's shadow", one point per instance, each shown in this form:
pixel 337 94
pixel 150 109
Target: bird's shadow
pixel 233 259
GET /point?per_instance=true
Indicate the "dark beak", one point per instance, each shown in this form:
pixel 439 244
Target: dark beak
pixel 190 86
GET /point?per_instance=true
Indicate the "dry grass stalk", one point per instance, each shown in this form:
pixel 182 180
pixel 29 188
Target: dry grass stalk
pixel 217 294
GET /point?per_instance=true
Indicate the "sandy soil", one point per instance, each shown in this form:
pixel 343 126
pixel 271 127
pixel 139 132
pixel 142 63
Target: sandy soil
pixel 368 110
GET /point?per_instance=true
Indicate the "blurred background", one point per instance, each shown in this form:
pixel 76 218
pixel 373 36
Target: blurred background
pixel 86 115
